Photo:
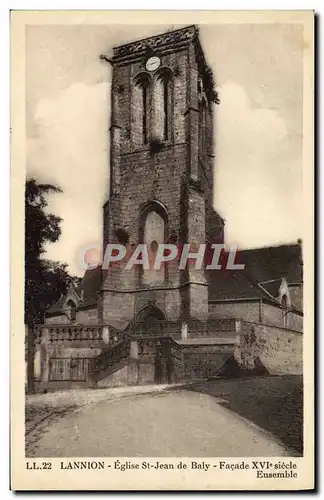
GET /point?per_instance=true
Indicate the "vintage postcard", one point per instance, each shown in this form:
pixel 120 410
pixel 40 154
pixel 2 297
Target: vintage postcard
pixel 162 180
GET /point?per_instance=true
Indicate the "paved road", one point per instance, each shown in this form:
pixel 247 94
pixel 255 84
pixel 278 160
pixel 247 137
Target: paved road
pixel 179 423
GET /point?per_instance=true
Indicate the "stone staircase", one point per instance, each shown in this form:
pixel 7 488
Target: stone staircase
pixel 163 352
pixel 138 354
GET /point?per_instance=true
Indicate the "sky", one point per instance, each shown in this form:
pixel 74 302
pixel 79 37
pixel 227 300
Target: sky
pixel 258 70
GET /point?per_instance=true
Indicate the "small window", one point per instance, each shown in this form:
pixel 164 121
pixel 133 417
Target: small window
pixel 71 310
pixel 284 305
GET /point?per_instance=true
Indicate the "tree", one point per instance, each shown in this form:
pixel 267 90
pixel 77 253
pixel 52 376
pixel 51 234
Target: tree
pixel 45 280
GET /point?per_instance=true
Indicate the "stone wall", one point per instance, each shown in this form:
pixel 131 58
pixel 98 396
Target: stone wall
pixel 257 311
pixel 296 295
pixel 276 349
pixel 212 328
pixel 57 319
pixel 119 309
pixel 274 315
pixel 150 360
pixel 203 361
pixel 80 356
pixel 249 310
pixel 87 316
pixel 295 321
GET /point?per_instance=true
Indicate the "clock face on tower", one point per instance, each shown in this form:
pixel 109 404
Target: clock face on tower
pixel 152 63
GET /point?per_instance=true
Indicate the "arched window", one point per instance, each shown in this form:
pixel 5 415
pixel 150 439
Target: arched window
pixel 153 236
pixel 153 232
pixel 162 105
pixel 165 109
pixel 71 310
pixel 202 127
pixel 140 107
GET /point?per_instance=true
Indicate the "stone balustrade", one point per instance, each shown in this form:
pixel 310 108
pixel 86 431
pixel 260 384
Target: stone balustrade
pixel 211 327
pixel 159 328
pixel 68 333
pixel 109 335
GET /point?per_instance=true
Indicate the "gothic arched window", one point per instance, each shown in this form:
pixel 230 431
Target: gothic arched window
pixel 153 232
pixel 140 109
pixel 153 236
pixel 162 105
pixel 71 310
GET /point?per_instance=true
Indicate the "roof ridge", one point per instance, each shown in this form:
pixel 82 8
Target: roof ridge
pixel 271 281
pixel 269 247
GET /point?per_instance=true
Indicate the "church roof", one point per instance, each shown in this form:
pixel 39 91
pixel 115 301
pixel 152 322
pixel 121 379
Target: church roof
pixel 270 263
pixel 57 307
pixel 90 286
pixel 227 284
pixel 87 291
pixel 264 269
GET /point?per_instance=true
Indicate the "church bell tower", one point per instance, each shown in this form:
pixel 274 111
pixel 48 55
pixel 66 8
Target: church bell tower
pixel 161 176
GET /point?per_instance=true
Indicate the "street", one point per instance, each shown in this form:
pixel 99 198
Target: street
pixel 178 423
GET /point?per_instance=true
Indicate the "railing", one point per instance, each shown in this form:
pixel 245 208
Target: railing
pixel 69 333
pixel 115 335
pixel 212 324
pixel 156 329
pixel 57 334
pixel 109 359
pixel 174 328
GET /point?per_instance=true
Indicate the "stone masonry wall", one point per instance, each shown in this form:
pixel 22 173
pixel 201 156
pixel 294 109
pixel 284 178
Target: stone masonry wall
pixel 278 350
pixel 249 311
pixel 274 315
pixel 296 295
pixel 201 361
pixel 87 316
pixel 255 311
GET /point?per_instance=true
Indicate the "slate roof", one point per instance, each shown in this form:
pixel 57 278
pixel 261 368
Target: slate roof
pixel 57 307
pixel 90 286
pixel 266 264
pixel 225 285
pixel 269 263
pixel 87 290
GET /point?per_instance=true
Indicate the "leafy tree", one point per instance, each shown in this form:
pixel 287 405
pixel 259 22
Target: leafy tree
pixel 45 280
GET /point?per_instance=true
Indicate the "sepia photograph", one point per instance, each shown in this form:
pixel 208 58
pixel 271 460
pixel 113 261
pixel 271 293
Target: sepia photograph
pixel 165 254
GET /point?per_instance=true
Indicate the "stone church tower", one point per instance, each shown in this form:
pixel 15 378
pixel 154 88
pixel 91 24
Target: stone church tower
pixel 161 176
